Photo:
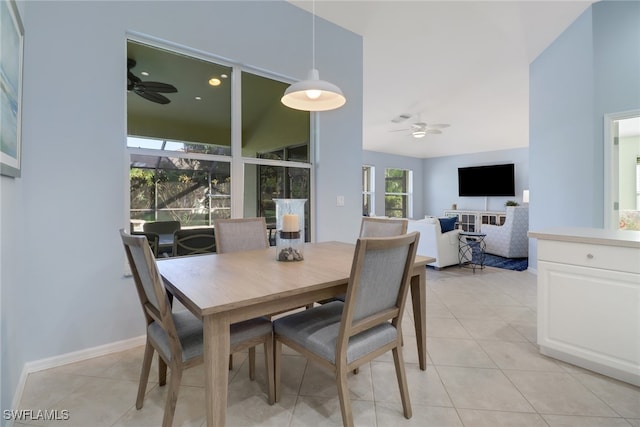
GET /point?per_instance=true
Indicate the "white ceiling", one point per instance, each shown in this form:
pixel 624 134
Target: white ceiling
pixel 465 63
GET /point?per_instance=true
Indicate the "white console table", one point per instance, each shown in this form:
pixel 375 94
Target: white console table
pixel 589 299
pixel 471 221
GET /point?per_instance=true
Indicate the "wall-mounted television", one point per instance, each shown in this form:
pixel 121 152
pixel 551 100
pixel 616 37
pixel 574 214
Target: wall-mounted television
pixel 484 181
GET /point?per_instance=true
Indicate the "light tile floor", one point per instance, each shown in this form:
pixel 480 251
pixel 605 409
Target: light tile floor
pixel 484 370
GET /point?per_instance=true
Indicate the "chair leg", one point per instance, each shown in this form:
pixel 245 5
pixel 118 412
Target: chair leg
pixel 268 361
pixel 343 394
pixel 144 375
pixel 172 395
pixel 162 372
pixel 252 363
pixel 402 381
pixel 277 359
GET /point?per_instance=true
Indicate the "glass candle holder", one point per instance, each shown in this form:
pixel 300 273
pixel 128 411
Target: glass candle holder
pixel 290 229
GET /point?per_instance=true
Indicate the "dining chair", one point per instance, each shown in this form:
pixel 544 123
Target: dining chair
pixel 193 241
pixel 383 227
pixel 152 238
pixel 240 234
pixel 343 336
pixel 377 227
pixel 178 337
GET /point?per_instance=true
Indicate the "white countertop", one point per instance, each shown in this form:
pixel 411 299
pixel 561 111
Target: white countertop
pixel 598 236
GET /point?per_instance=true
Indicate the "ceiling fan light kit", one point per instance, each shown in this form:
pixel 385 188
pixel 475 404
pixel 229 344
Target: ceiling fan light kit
pixel 419 129
pixel 313 94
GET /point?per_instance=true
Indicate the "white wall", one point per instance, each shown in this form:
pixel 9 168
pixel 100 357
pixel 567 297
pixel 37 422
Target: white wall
pixel 441 180
pixel 62 261
pixel 592 69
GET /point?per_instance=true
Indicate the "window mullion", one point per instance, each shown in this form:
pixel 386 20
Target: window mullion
pixel 237 164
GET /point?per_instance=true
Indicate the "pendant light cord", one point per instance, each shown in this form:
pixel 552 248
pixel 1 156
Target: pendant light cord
pixel 313 34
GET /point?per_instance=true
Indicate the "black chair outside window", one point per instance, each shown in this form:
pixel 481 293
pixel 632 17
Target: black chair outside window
pixel 193 241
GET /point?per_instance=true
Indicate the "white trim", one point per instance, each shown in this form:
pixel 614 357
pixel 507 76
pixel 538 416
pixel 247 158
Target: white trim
pixel 64 359
pixel 610 181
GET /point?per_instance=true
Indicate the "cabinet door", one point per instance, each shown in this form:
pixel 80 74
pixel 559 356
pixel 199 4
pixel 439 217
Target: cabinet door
pixel 591 314
pixel 468 222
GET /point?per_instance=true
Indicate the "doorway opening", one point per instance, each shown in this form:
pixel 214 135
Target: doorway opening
pixel 622 171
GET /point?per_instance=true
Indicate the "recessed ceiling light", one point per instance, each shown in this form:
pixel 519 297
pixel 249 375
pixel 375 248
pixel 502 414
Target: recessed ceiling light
pixel 214 81
pixel 198 98
pixel 145 73
pixel 224 76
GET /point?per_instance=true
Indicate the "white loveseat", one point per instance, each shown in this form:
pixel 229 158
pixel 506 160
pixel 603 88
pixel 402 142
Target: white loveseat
pixel 433 243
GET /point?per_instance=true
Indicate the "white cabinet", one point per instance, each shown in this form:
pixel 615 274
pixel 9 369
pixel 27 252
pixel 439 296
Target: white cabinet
pixel 472 221
pixel 589 299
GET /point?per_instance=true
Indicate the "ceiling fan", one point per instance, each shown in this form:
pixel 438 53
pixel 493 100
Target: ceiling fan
pixel 148 90
pixel 419 129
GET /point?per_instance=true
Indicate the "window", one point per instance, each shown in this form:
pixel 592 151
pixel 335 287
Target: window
pixel 398 193
pixel 169 180
pixel 368 190
pixel 184 156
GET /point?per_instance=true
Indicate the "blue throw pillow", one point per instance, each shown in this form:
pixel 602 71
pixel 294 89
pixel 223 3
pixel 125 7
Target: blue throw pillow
pixel 448 224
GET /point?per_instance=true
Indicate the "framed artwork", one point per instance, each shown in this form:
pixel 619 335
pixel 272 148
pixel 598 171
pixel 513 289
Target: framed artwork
pixel 12 36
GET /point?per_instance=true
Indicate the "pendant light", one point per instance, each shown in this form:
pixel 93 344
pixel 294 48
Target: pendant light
pixel 313 94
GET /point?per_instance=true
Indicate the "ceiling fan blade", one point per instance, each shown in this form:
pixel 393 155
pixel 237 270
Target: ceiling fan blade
pixel 158 87
pixel 439 125
pixel 399 130
pixel 433 131
pixel 401 118
pixel 154 97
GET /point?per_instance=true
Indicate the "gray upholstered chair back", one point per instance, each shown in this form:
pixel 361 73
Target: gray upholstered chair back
pixel 382 227
pixel 194 241
pixel 380 275
pixel 240 234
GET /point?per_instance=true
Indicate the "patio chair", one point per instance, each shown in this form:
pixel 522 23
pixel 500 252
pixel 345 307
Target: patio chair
pixel 177 337
pixel 343 336
pixel 165 230
pixel 193 241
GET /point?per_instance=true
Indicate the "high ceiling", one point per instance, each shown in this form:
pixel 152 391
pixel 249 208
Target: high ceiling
pixel 465 63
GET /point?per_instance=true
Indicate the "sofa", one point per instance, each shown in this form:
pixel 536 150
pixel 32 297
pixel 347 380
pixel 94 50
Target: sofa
pixel 509 240
pixel 434 243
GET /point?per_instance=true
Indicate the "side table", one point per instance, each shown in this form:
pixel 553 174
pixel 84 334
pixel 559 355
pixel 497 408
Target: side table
pixel 471 250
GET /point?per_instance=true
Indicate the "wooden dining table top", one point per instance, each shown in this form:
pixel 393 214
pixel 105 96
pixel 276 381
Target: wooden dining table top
pixel 215 283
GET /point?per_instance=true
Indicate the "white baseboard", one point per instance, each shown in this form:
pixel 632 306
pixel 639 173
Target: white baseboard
pixel 65 359
pixel 533 270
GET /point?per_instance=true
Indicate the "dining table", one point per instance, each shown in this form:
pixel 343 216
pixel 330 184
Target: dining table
pixel 222 289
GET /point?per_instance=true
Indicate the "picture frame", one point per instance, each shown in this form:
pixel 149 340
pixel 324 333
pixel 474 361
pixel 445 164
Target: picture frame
pixel 12 37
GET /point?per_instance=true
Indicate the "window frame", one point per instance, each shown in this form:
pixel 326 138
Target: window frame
pixel 407 209
pixel 236 160
pixel 371 184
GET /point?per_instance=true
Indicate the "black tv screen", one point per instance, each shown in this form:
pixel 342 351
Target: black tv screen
pixel 492 180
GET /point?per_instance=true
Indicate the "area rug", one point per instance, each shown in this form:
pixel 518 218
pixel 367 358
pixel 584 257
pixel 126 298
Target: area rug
pixel 517 264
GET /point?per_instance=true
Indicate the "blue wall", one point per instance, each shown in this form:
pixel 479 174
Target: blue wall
pixel 382 161
pixel 71 296
pixel 593 68
pixel 441 180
